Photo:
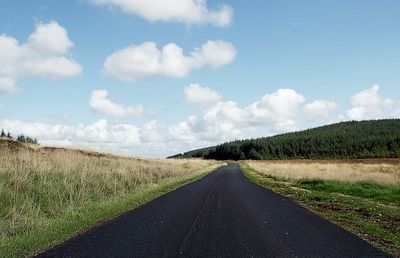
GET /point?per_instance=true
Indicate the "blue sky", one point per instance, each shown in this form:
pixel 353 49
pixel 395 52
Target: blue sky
pixel 258 68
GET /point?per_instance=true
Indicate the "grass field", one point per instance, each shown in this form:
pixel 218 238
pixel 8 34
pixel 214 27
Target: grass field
pixel 381 172
pixel 363 197
pixel 49 194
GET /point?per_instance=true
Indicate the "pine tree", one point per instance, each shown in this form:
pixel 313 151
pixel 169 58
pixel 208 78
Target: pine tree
pixel 21 138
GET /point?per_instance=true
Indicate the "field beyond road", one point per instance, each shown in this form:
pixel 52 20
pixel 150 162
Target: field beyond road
pixel 48 195
pixel 362 196
pixel 381 171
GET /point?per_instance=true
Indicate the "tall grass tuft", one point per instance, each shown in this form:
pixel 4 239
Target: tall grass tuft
pixel 38 185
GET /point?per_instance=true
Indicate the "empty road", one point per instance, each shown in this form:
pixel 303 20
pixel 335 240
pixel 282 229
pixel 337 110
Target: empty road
pixel 220 215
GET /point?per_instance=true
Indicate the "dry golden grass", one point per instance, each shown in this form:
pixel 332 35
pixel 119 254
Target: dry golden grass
pixel 348 171
pixel 65 162
pixel 38 184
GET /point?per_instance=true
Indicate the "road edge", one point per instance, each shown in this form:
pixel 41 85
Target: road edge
pixel 258 179
pixel 77 222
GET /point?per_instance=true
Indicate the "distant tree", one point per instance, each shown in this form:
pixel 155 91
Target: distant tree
pixel 253 154
pixel 9 136
pixel 176 156
pixel 26 139
pixel 31 140
pixel 21 138
pixel 3 134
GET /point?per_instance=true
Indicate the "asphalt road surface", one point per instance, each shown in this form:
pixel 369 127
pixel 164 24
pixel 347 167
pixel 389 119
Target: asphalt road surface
pixel 220 215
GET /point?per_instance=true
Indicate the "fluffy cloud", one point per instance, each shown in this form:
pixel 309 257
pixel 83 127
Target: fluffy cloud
pixel 152 132
pixel 185 11
pixel 134 62
pixel 319 108
pixel 100 135
pixel 199 95
pixel 43 54
pixel 217 121
pixel 84 135
pixel 278 107
pixel 369 104
pixel 182 132
pixel 280 111
pixel 101 104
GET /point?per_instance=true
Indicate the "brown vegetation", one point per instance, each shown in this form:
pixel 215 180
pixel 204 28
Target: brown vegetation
pixel 383 171
pixel 38 184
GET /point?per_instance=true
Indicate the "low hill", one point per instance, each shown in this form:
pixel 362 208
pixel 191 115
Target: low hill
pixel 13 146
pixel 345 140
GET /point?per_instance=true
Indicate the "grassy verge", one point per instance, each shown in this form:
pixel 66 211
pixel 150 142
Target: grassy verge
pixel 369 210
pixel 67 224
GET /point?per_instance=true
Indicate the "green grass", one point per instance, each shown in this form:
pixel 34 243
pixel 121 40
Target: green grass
pixel 55 229
pixel 389 194
pixel 369 210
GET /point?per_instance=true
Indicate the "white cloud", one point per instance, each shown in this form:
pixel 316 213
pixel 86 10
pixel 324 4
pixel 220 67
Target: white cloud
pixel 49 39
pixel 152 132
pixel 280 106
pixel 369 104
pixel 217 121
pixel 135 62
pixel 184 11
pixel 319 108
pixel 100 135
pixel 101 104
pixel 44 55
pixel 199 95
pixel 182 132
pixel 280 111
pixel 84 135
pixel 214 53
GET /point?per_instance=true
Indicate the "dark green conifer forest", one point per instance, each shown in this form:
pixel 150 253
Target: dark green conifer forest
pixel 345 140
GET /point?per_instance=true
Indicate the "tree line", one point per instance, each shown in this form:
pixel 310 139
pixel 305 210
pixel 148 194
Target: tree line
pixel 345 140
pixel 20 138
